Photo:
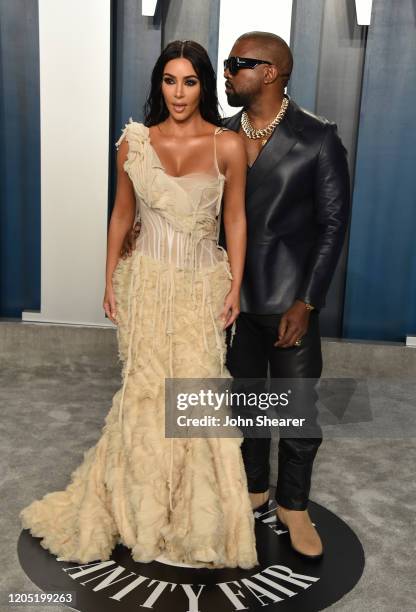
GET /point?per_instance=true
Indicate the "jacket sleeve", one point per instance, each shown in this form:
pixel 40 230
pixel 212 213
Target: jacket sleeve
pixel 332 209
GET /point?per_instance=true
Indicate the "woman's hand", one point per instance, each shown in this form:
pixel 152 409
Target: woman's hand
pixel 231 308
pixel 109 304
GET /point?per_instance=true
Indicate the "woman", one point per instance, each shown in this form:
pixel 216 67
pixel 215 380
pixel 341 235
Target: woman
pixel 183 498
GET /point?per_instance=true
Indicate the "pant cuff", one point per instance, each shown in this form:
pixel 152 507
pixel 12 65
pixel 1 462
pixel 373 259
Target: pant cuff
pixel 290 503
pixel 259 488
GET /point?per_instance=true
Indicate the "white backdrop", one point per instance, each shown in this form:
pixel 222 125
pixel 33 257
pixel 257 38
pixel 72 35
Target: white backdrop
pixel 74 41
pixel 239 16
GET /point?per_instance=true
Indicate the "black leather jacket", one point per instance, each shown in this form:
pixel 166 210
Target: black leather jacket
pixel 297 204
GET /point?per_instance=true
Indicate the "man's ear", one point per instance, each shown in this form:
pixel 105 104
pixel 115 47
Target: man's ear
pixel 271 73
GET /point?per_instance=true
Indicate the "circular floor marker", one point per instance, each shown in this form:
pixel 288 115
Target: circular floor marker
pixel 283 581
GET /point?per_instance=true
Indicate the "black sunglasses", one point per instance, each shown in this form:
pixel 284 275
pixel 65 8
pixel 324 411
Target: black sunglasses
pixel 234 63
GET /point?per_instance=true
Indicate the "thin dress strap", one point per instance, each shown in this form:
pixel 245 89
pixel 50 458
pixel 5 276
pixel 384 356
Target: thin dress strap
pixel 218 130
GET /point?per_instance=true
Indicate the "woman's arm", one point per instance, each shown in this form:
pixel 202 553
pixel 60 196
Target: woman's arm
pixel 123 213
pixel 234 158
pixel 120 223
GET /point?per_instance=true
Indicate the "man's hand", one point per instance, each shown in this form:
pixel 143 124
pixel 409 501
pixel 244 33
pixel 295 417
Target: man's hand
pixel 293 325
pixel 129 242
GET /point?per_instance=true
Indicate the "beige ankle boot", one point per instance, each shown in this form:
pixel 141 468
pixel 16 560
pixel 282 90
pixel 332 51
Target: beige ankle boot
pixel 304 538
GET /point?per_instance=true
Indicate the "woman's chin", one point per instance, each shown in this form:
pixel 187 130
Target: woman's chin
pixel 180 115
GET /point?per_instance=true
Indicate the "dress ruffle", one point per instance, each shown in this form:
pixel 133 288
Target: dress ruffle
pixel 136 164
pixel 120 492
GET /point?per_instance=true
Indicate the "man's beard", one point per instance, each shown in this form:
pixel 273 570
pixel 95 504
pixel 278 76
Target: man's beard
pixel 238 99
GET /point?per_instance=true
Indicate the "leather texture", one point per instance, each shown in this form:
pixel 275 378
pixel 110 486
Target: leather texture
pixel 297 204
pixel 251 355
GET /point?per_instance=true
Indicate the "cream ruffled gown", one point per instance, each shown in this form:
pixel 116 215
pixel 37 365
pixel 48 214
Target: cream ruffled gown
pixel 184 499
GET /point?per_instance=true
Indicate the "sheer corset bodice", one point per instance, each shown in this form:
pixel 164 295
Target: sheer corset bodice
pixel 179 215
pixel 159 240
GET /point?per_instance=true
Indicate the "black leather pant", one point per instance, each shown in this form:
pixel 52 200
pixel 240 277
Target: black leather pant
pixel 251 355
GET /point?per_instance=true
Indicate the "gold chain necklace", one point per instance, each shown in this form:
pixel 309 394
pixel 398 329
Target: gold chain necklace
pixel 264 133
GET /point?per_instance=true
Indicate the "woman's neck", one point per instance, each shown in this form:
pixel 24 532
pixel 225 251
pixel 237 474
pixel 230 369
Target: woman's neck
pixel 187 127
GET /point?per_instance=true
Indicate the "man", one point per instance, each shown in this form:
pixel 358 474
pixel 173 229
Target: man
pixel 297 203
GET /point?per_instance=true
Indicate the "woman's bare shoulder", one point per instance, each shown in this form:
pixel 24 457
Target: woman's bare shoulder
pixel 230 142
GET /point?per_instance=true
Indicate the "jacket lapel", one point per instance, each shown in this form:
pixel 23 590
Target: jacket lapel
pixel 280 143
